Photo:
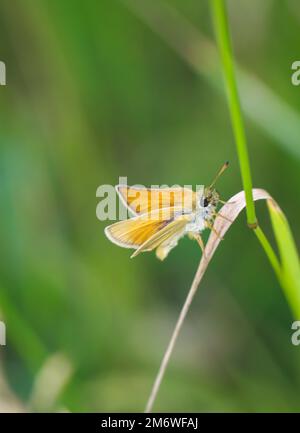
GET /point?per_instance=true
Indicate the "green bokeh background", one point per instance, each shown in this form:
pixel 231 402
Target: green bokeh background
pixel 92 94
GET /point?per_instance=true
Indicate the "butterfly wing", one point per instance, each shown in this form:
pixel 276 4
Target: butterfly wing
pixel 146 232
pixel 141 200
pixel 167 236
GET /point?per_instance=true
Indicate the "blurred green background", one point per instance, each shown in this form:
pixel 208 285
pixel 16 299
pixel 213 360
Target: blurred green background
pixel 102 89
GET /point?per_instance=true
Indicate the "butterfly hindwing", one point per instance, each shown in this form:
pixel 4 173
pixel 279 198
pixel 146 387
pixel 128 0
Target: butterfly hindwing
pixel 147 231
pixel 170 232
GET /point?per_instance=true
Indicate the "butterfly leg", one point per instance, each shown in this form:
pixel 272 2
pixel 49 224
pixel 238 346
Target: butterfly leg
pixel 199 239
pixel 211 227
pixel 222 216
pixel 227 202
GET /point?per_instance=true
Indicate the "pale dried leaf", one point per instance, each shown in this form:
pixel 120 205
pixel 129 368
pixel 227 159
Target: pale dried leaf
pixel 230 210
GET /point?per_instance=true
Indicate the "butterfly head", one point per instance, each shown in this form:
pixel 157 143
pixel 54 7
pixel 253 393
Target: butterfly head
pixel 210 198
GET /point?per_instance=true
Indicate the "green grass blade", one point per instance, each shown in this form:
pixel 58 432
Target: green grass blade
pixel 224 44
pixel 269 252
pixel 290 264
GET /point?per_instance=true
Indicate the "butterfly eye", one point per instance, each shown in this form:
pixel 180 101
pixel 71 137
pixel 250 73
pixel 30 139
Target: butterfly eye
pixel 205 202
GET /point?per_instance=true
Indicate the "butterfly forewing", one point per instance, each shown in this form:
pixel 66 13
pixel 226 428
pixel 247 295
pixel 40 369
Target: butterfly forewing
pixel 143 200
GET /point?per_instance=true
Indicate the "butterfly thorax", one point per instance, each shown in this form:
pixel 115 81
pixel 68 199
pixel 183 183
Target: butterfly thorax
pixel 205 211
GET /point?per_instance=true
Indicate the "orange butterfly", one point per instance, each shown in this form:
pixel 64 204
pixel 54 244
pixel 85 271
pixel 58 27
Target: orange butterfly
pixel 162 216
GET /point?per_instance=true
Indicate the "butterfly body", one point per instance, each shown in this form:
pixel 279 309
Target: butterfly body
pixel 204 212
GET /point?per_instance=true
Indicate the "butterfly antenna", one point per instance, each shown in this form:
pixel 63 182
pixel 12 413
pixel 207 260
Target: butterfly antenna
pixel 221 171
